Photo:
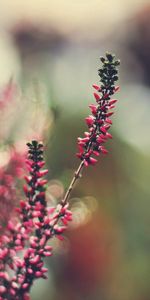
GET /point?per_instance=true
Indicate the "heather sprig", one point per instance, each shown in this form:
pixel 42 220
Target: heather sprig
pixel 9 175
pixel 37 223
pixel 99 122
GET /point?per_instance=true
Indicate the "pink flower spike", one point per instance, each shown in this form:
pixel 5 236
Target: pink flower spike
pixel 97 97
pixel 36 222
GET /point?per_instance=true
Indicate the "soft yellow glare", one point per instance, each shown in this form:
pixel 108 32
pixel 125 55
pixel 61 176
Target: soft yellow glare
pixel 82 210
pixel 55 191
pixel 9 62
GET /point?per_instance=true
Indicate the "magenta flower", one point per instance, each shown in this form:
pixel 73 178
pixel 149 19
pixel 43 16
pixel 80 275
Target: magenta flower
pixel 8 183
pixel 37 223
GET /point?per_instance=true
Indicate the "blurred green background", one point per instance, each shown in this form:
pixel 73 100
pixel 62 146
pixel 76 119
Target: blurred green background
pixel 51 51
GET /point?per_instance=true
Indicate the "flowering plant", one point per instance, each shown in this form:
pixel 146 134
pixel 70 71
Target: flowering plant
pixel 23 245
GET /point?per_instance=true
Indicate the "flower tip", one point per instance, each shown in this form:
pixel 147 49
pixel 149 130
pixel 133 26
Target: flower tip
pixel 113 101
pixel 89 120
pixel 103 150
pixel 109 135
pixel 97 97
pixel 117 88
pixel 92 161
pixel 96 87
pixel 93 108
pixel 109 121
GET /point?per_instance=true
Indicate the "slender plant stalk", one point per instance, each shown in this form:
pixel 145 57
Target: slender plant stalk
pixel 99 122
pixel 76 176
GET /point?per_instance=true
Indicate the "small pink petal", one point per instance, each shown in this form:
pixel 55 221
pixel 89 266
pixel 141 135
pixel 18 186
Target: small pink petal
pixel 117 88
pixel 103 150
pixel 109 114
pixel 97 97
pixel 109 135
pixel 96 87
pixel 107 120
pixel 93 108
pixel 103 129
pixel 90 120
pixel 92 161
pixel 113 101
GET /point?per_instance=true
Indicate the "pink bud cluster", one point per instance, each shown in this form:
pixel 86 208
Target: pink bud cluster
pixel 38 223
pixel 99 122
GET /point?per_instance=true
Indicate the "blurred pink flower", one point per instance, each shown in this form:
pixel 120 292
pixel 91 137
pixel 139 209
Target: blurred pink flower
pixel 9 194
